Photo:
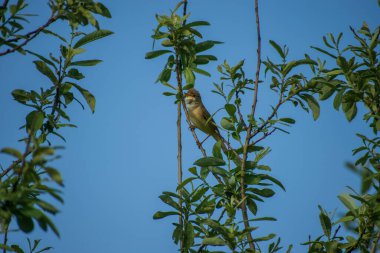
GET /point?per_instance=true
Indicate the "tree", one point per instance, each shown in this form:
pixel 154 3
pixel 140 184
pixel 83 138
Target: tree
pixel 217 205
pixel 28 181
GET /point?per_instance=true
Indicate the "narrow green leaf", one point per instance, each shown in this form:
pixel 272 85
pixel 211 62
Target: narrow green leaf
pixel 264 238
pixel 288 120
pixel 86 63
pixel 278 48
pixel 159 215
pixel 154 54
pixel 34 121
pixel 54 34
pixel 185 182
pixel 205 45
pixel 45 70
pixel 325 223
pixel 209 161
pixel 338 99
pixel 214 241
pixel 351 113
pixel 54 175
pixel 189 76
pixel 92 37
pixel 12 152
pixel 197 23
pixel 216 150
pixel 189 235
pixel 348 202
pixel 90 99
pixel 313 104
pixel 202 72
pixel 324 52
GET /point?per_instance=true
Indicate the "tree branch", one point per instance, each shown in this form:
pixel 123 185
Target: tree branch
pixel 248 137
pixel 375 243
pixel 29 36
pixel 5 3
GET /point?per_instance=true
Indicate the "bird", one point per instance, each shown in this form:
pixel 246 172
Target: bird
pixel 199 116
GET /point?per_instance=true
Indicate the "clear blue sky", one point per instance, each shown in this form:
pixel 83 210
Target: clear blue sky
pixel 120 159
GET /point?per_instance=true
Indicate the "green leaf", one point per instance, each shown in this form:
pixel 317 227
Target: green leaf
pixel 189 76
pixel 348 202
pixel 264 238
pixel 326 92
pixel 12 152
pixel 278 48
pixel 277 182
pixel 25 223
pixel 92 37
pixel 102 10
pixel 338 99
pixel 345 219
pixel 169 201
pixel 90 99
pixel 325 223
pixel 54 34
pixel 214 241
pixel 44 69
pixel 154 54
pixel 324 52
pixel 216 150
pixel 34 121
pixel 294 64
pixel 21 96
pixel 47 61
pixel 205 45
pixel 86 63
pixel 252 206
pixel 288 120
pixel 231 109
pixel 189 235
pixel 313 104
pixel 227 124
pixel 75 74
pixel 263 192
pixel 202 72
pixel 351 113
pixel 197 23
pixel 185 182
pixel 55 175
pixel 159 215
pixel 209 161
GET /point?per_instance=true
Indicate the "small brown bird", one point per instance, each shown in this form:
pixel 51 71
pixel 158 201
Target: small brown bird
pixel 199 115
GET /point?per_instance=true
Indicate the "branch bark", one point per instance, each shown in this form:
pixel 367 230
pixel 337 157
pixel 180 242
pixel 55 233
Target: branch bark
pixel 29 36
pixel 375 243
pixel 249 130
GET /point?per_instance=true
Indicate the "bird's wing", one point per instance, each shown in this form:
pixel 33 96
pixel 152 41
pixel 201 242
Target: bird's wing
pixel 212 125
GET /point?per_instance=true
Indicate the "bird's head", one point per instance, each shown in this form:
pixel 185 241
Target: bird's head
pixel 193 98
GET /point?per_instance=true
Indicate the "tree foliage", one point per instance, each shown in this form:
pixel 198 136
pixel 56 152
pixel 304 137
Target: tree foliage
pixel 29 184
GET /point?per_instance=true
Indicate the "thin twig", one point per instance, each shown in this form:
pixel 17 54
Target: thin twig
pixel 264 136
pixel 23 160
pixel 5 3
pixel 179 132
pixel 281 101
pixel 200 250
pixel 5 241
pixel 336 231
pixel 29 36
pixel 249 129
pixel 375 243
